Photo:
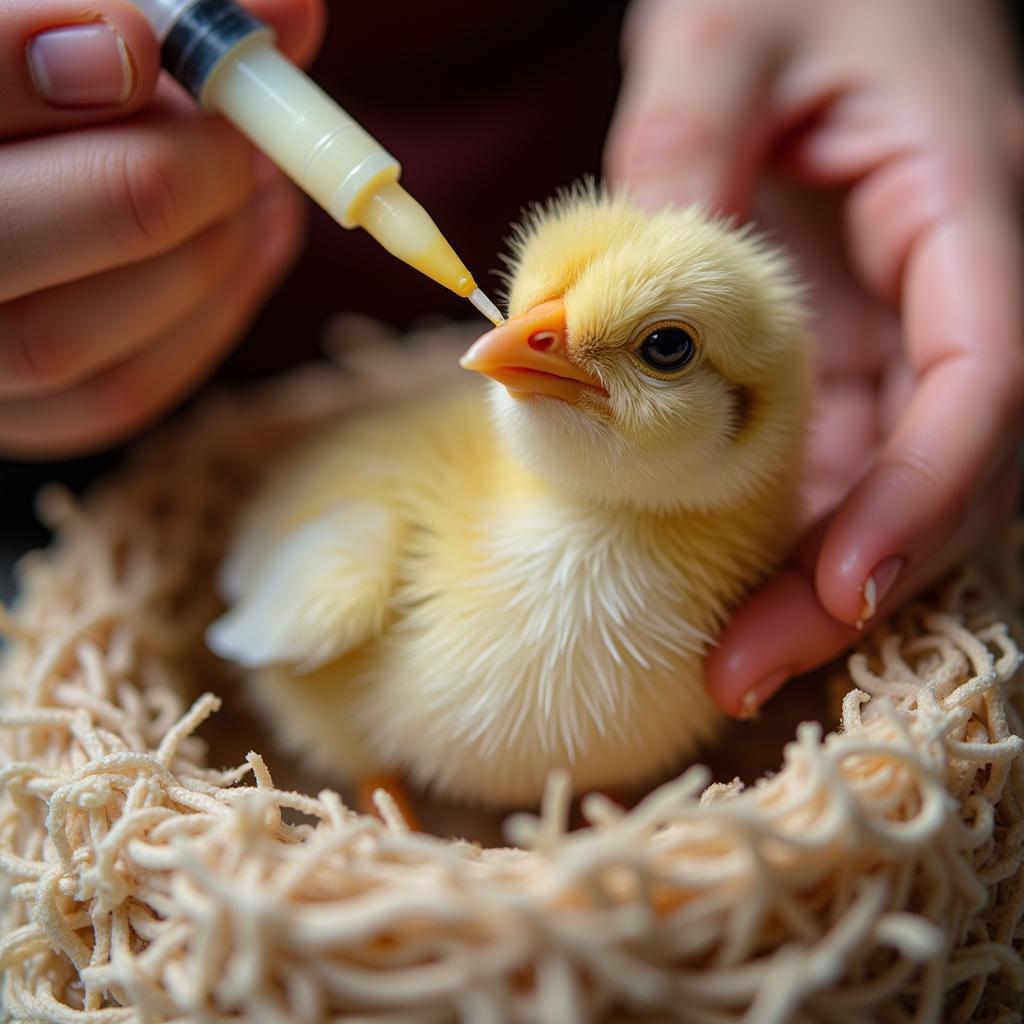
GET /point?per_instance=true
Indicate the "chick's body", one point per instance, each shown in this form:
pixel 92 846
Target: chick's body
pixel 478 588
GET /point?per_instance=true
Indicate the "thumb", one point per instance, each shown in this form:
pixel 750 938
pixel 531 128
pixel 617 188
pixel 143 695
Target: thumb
pixel 64 66
pixel 61 66
pixel 693 117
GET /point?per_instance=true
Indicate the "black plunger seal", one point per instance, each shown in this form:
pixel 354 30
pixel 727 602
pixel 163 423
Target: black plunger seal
pixel 205 32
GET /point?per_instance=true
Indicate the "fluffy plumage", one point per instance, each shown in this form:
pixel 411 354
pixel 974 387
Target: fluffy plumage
pixel 483 586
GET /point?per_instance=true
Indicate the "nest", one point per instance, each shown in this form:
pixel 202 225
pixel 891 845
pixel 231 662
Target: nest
pixel 873 877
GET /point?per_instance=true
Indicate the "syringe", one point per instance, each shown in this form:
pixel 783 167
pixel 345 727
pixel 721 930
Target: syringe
pixel 227 59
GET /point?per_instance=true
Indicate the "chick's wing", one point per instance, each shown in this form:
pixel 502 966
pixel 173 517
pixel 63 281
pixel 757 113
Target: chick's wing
pixel 320 591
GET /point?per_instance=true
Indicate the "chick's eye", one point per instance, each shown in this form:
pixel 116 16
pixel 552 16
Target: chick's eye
pixel 667 348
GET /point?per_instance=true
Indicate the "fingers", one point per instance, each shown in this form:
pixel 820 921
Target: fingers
pixel 54 339
pixel 108 406
pixel 62 66
pixel 76 204
pixel 783 631
pixel 777 634
pixel 934 227
pixel 695 111
pixel 964 323
pixel 298 24
pixel 120 222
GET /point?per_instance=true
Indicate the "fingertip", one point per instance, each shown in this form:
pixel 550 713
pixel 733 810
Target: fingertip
pixel 781 631
pixel 878 585
pixel 843 582
pixel 299 25
pixel 863 552
pixel 62 66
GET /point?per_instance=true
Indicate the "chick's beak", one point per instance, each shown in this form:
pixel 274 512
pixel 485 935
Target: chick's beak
pixel 529 355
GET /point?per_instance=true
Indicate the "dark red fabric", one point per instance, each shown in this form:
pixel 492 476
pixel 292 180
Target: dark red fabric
pixel 488 107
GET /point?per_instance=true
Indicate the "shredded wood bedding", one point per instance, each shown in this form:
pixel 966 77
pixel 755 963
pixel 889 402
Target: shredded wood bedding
pixel 875 876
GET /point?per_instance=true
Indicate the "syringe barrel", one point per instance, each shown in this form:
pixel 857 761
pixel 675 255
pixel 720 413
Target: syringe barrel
pixel 225 57
pixel 314 141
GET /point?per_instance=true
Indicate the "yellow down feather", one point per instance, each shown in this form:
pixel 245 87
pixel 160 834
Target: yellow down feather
pixel 474 589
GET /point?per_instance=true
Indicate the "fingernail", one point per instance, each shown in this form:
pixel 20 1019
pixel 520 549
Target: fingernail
pixel 81 66
pixel 761 692
pixel 749 709
pixel 877 585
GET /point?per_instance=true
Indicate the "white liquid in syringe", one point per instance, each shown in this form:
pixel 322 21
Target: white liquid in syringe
pixel 331 157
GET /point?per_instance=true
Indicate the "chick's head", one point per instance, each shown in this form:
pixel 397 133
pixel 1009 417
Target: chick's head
pixel 654 360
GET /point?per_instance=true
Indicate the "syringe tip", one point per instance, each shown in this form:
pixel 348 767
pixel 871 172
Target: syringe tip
pixel 488 308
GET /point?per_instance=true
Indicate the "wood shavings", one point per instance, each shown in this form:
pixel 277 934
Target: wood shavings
pixel 875 876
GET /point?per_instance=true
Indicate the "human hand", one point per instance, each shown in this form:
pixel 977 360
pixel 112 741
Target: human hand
pixel 137 235
pixel 884 145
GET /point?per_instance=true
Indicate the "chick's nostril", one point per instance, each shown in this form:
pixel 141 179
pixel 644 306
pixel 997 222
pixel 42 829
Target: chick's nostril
pixel 541 340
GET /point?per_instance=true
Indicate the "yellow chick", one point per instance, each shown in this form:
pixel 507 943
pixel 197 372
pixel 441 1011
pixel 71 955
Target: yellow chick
pixel 481 587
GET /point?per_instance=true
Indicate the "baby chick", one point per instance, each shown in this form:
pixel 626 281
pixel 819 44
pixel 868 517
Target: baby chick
pixel 478 588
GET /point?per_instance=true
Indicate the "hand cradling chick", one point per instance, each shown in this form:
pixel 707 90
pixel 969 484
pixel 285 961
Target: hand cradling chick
pixel 477 588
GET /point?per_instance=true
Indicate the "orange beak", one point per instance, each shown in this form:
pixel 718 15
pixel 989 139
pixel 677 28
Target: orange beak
pixel 529 355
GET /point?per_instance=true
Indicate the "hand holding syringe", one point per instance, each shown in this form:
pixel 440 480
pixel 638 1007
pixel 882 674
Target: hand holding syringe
pixel 139 238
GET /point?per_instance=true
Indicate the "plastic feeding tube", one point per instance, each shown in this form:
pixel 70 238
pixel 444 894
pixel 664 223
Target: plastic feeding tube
pixel 227 59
